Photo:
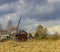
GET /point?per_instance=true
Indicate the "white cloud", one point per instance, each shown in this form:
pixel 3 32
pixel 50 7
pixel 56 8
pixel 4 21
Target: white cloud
pixel 53 1
pixel 45 9
pixel 54 29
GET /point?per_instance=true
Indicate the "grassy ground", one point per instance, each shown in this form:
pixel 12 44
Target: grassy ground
pixel 35 46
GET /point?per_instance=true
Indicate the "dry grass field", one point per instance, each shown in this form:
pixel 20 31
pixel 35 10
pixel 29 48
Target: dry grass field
pixel 35 46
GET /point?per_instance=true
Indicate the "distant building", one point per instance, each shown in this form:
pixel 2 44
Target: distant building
pixel 21 35
pixel 4 36
pixel 29 36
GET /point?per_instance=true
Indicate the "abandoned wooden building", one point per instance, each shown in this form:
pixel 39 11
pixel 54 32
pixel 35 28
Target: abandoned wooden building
pixel 29 36
pixel 21 36
pixel 4 37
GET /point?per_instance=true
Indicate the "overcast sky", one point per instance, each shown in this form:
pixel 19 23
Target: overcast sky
pixel 33 12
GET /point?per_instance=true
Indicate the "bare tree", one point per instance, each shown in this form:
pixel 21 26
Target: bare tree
pixel 10 25
pixel 0 26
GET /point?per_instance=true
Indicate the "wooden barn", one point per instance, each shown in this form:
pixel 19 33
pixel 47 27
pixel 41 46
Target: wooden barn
pixel 21 36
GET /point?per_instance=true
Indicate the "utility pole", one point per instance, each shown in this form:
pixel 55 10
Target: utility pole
pixel 18 24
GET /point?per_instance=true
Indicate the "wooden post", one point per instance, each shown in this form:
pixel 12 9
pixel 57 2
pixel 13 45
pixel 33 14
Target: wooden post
pixel 18 24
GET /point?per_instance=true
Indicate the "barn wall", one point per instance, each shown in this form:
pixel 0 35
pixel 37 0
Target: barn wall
pixel 22 37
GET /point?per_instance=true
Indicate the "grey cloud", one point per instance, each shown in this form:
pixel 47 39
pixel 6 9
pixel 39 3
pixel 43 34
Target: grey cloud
pixel 44 15
pixel 39 10
pixel 36 1
pixel 2 2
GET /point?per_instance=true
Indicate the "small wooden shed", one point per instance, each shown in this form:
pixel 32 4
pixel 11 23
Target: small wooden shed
pixel 29 36
pixel 21 36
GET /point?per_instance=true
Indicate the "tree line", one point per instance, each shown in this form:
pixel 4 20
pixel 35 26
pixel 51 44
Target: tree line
pixel 42 34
